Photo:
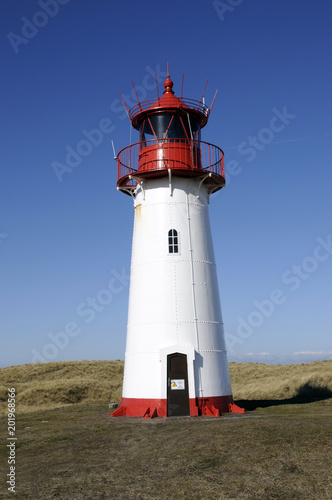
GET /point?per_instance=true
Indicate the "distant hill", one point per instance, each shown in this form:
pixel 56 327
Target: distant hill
pixel 50 385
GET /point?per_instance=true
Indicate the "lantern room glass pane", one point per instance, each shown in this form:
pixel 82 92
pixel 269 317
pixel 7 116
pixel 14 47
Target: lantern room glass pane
pixel 170 126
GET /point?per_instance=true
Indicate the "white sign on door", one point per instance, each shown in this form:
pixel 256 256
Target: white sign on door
pixel 177 384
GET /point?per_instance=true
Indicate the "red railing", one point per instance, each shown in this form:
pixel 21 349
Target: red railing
pixel 188 103
pixel 175 154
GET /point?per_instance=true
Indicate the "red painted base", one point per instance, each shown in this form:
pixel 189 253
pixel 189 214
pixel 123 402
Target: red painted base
pixel 150 408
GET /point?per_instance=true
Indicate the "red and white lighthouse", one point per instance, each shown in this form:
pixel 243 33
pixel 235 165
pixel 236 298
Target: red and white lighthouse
pixel 176 360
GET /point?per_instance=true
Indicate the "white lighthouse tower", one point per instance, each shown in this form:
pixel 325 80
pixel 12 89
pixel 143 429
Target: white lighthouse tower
pixel 176 360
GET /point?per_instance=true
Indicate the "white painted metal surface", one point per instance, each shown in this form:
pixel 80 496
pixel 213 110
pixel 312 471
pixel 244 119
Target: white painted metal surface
pixel 174 299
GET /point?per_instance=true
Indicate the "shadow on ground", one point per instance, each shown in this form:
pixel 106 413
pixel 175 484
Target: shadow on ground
pixel 307 393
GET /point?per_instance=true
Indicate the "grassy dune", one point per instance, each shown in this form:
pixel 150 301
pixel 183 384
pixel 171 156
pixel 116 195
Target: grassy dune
pixel 262 381
pixel 52 385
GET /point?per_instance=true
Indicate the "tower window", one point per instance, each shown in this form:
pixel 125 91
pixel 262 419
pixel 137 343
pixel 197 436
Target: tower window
pixel 173 241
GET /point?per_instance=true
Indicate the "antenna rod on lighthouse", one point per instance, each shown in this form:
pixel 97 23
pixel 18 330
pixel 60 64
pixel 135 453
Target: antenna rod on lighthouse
pixel 157 86
pixel 115 157
pixel 139 104
pixel 125 106
pixel 215 95
pixel 202 94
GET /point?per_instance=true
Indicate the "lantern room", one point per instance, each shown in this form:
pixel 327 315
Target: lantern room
pixel 170 143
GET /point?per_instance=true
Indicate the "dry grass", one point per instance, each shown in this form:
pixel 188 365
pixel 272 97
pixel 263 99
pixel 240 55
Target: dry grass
pixel 52 385
pixel 279 451
pixel 262 381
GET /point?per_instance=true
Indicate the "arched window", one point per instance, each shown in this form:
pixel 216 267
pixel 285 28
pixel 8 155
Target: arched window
pixel 173 241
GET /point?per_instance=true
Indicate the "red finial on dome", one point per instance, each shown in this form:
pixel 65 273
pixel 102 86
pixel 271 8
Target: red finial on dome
pixel 168 84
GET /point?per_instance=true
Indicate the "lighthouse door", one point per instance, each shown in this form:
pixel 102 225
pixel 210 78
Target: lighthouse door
pixel 177 385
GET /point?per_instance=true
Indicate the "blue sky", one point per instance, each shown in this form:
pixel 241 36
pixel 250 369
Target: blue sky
pixel 65 238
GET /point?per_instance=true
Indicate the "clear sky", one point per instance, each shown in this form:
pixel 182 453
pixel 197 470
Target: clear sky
pixel 65 232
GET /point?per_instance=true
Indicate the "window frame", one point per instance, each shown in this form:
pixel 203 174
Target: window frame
pixel 173 241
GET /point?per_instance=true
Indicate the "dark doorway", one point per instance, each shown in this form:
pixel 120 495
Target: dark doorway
pixel 177 385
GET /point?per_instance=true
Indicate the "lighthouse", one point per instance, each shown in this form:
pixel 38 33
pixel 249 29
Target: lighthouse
pixel 176 360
